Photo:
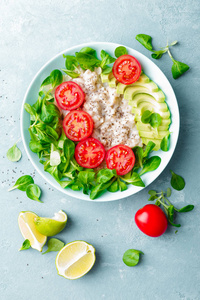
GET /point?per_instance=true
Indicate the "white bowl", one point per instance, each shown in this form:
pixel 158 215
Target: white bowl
pixel 150 69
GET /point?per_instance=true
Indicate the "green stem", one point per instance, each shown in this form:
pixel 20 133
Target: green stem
pixel 12 188
pixel 167 200
pixel 167 47
pixel 170 55
pixel 163 204
pixel 19 140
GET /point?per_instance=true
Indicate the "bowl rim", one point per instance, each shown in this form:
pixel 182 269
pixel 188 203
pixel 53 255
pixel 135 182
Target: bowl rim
pixel 75 194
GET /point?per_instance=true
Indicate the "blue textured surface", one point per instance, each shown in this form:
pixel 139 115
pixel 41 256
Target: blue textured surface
pixel 31 33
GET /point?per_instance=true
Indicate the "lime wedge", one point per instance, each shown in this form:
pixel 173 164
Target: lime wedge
pixel 29 231
pixel 75 259
pixel 51 226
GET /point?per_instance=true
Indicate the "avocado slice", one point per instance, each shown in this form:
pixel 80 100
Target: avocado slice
pixel 113 82
pixel 142 80
pixel 131 92
pixel 139 99
pixel 105 77
pixel 147 127
pixel 161 109
pixel 154 134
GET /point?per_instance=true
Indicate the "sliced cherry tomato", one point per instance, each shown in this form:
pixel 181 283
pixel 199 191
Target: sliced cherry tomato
pixel 151 220
pixel 126 69
pixel 69 95
pixel 78 125
pixel 89 153
pixel 121 158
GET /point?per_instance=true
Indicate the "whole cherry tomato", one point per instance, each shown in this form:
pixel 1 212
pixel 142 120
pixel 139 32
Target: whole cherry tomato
pixel 151 220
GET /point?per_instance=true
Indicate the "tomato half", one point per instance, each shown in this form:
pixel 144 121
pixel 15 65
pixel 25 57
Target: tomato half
pixel 69 95
pixel 78 125
pixel 121 158
pixel 151 220
pixel 89 153
pixel 126 69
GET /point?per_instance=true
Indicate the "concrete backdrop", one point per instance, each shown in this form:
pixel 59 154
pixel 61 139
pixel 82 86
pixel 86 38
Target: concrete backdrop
pixel 31 32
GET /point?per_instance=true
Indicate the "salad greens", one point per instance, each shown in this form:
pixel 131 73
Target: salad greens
pixel 55 78
pixel 142 159
pixel 154 119
pixel 165 143
pixel 150 164
pixel 86 58
pixel 178 68
pixel 131 257
pixel 121 50
pixel 14 153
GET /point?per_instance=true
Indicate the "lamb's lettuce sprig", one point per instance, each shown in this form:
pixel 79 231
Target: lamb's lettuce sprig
pixel 178 68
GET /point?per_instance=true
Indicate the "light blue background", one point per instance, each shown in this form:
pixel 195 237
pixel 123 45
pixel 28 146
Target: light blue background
pixel 31 33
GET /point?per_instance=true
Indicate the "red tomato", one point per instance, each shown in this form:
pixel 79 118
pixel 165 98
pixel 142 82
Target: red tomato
pixel 126 69
pixel 151 220
pixel 78 125
pixel 121 158
pixel 69 95
pixel 89 153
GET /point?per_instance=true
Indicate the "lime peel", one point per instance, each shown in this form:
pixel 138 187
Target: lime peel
pixel 51 226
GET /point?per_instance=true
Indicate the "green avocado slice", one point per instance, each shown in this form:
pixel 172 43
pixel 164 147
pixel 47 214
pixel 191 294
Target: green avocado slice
pixel 154 134
pixel 142 80
pixel 147 127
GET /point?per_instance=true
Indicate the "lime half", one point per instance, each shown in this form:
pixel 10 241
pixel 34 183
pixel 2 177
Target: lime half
pixel 75 259
pixel 51 226
pixel 29 231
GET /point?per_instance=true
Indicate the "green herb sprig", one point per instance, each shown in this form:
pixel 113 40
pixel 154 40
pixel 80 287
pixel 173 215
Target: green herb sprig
pixel 178 68
pixel 161 199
